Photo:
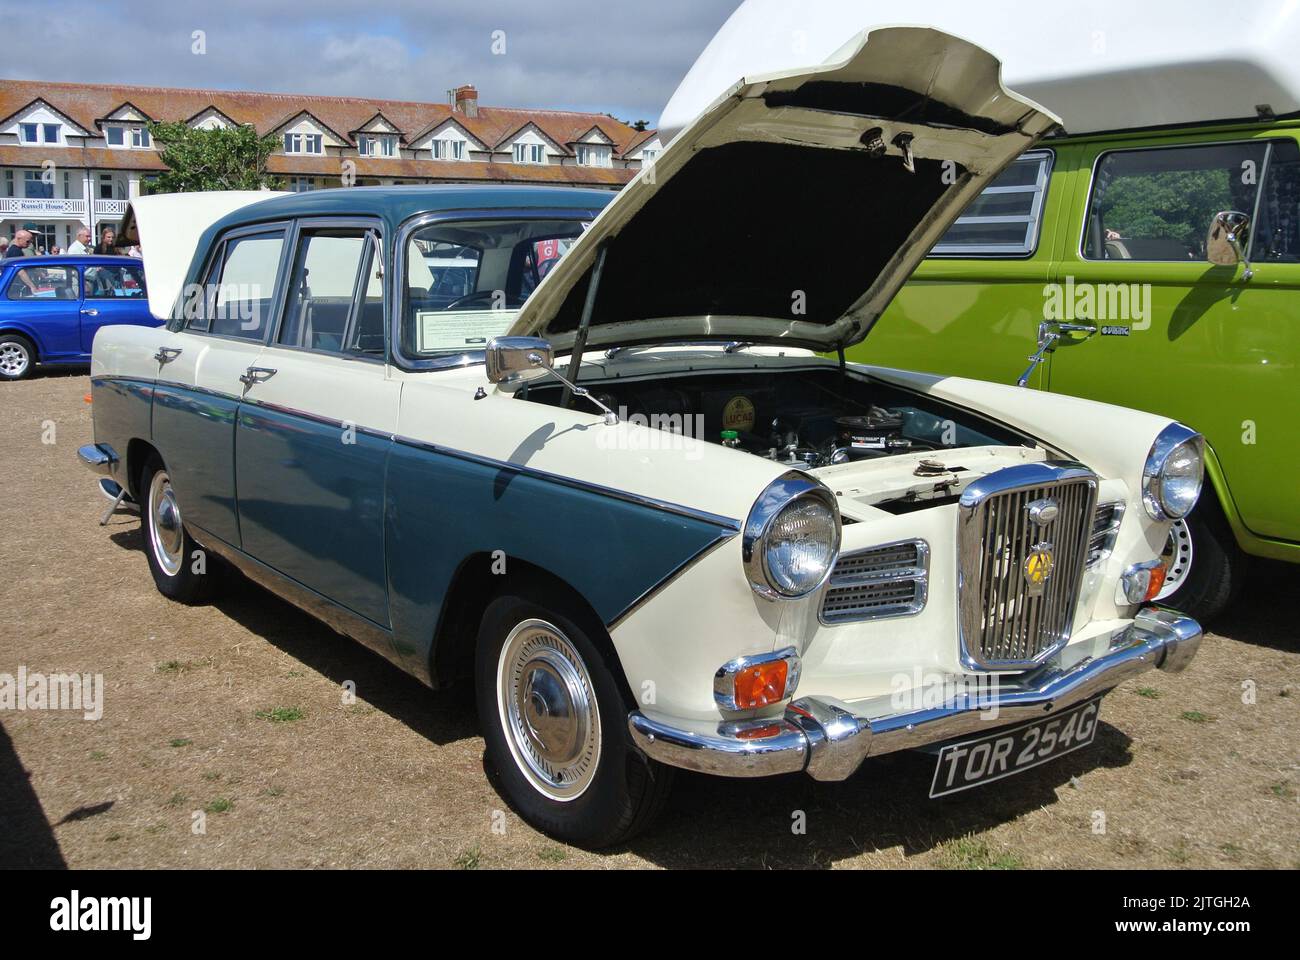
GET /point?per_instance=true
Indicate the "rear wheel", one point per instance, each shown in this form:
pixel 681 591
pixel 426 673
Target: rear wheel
pixel 555 724
pixel 17 356
pixel 182 570
pixel 1206 568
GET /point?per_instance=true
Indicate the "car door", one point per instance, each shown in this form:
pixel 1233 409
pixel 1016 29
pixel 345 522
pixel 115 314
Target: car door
pixel 314 430
pixel 1157 327
pixel 110 293
pixel 44 300
pixel 201 361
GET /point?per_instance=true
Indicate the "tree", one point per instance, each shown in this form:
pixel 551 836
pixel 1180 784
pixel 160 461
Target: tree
pixel 228 158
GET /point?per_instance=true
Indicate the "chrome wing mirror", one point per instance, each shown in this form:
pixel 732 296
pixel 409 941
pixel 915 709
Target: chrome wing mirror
pixel 513 360
pixel 1225 244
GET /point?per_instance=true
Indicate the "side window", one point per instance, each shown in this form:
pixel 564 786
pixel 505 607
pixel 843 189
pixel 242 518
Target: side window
pixel 330 277
pixel 1157 203
pixel 1003 220
pixel 110 283
pixel 44 283
pixel 1277 235
pixel 367 334
pixel 240 300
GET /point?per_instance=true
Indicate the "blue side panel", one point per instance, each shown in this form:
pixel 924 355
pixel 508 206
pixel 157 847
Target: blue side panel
pixel 312 505
pixel 442 508
pixel 122 413
pixel 195 434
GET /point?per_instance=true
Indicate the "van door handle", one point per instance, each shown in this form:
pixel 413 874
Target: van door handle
pixel 90 311
pixel 167 354
pixel 255 375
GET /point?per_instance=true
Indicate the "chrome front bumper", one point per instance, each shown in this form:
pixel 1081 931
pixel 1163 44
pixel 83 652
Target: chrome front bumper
pixel 829 739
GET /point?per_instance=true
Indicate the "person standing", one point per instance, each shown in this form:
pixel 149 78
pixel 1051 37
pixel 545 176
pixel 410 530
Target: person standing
pixel 105 245
pixel 20 245
pixel 81 245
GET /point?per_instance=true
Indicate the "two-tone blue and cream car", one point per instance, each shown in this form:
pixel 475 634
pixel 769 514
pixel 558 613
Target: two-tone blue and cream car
pixel 642 504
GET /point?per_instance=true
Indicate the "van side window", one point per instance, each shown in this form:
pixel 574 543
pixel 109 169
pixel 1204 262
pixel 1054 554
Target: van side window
pixel 1003 220
pixel 1157 203
pixel 1277 235
pixel 242 295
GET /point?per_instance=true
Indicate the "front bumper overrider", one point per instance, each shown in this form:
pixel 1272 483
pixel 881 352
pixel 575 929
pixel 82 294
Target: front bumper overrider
pixel 829 739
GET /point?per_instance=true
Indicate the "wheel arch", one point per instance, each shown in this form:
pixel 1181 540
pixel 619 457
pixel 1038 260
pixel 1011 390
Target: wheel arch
pixel 27 334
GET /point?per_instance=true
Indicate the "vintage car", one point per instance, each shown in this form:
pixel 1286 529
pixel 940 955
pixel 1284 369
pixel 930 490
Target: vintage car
pixel 695 541
pixel 52 307
pixel 1086 267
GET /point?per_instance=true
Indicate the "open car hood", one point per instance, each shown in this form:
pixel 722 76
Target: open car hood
pixel 168 228
pixel 786 212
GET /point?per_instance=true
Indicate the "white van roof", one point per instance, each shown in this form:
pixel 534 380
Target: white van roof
pixel 1105 65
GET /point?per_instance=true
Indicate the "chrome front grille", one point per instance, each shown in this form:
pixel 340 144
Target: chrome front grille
pixel 1105 528
pixel 880 582
pixel 1023 540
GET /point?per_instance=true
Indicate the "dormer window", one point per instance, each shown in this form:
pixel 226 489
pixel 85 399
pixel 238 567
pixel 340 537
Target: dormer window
pixel 134 137
pixel 593 155
pixel 448 149
pixel 372 145
pixel 38 133
pixel 530 153
pixel 304 143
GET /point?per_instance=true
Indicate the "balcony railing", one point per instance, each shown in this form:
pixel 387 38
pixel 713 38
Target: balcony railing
pixel 71 208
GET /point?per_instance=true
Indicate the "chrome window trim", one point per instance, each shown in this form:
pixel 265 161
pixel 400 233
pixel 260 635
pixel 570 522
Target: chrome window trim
pixel 467 358
pixel 778 495
pixel 1169 439
pixel 920 574
pixel 724 679
pixel 1092 183
pixel 1033 223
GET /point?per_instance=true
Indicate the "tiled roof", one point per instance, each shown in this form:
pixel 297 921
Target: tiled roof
pixel 85 103
pixel 305 166
pixel 13 155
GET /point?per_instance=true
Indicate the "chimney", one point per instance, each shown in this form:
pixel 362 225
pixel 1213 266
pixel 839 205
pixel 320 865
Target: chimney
pixel 464 99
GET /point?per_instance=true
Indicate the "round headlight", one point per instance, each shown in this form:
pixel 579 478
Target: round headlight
pixel 1175 467
pixel 792 538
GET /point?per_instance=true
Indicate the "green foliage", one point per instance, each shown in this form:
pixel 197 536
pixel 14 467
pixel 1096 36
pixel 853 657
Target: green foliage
pixel 223 159
pixel 1175 204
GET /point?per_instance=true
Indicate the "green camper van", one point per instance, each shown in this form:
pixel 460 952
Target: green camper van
pixel 1157 269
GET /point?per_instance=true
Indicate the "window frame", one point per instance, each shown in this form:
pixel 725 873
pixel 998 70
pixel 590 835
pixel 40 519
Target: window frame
pixel 397 274
pixel 1033 224
pixel 372 226
pixel 216 260
pixel 34 127
pixel 1268 143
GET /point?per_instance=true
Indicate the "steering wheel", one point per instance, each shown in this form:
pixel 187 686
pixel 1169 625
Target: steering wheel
pixel 479 296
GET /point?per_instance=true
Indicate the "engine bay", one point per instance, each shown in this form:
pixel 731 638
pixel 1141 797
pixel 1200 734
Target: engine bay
pixel 804 419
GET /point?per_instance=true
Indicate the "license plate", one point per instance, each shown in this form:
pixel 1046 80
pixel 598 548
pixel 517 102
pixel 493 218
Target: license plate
pixel 1013 749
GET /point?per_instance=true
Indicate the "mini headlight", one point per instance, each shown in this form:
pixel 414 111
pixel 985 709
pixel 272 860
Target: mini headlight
pixel 792 537
pixel 1175 467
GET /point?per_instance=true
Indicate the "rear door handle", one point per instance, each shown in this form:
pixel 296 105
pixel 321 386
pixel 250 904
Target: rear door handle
pixel 256 375
pixel 167 354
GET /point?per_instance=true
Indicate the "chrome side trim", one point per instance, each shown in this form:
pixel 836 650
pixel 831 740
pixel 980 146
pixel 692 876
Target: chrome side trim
pixel 829 738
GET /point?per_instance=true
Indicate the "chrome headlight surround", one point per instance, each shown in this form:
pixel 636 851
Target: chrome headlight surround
pixel 1173 443
pixel 793 489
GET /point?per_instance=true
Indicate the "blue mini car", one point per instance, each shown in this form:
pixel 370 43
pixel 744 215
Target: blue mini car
pixel 51 307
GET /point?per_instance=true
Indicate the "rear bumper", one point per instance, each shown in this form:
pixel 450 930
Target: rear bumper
pixel 98 458
pixel 829 739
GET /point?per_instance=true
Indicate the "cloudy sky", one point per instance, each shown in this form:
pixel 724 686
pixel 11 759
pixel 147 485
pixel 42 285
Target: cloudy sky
pixel 624 57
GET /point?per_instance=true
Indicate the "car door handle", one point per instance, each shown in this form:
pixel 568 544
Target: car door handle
pixel 167 354
pixel 256 375
pixel 90 312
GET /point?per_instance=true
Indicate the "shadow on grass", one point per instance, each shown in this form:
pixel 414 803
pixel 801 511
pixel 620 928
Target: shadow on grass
pixel 26 837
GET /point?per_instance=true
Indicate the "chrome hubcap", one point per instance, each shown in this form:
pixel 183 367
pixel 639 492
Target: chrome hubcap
pixel 13 359
pixel 548 710
pixel 166 532
pixel 1178 558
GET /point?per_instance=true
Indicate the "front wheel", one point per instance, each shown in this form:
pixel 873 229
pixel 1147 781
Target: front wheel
pixel 182 570
pixel 1206 568
pixel 555 725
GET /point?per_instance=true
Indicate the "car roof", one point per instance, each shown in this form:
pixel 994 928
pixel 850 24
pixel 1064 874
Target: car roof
pixel 397 203
pixel 62 259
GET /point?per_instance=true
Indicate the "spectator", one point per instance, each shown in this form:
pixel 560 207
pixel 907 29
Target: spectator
pixel 56 250
pixel 4 242
pixel 82 244
pixel 20 245
pixel 105 245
